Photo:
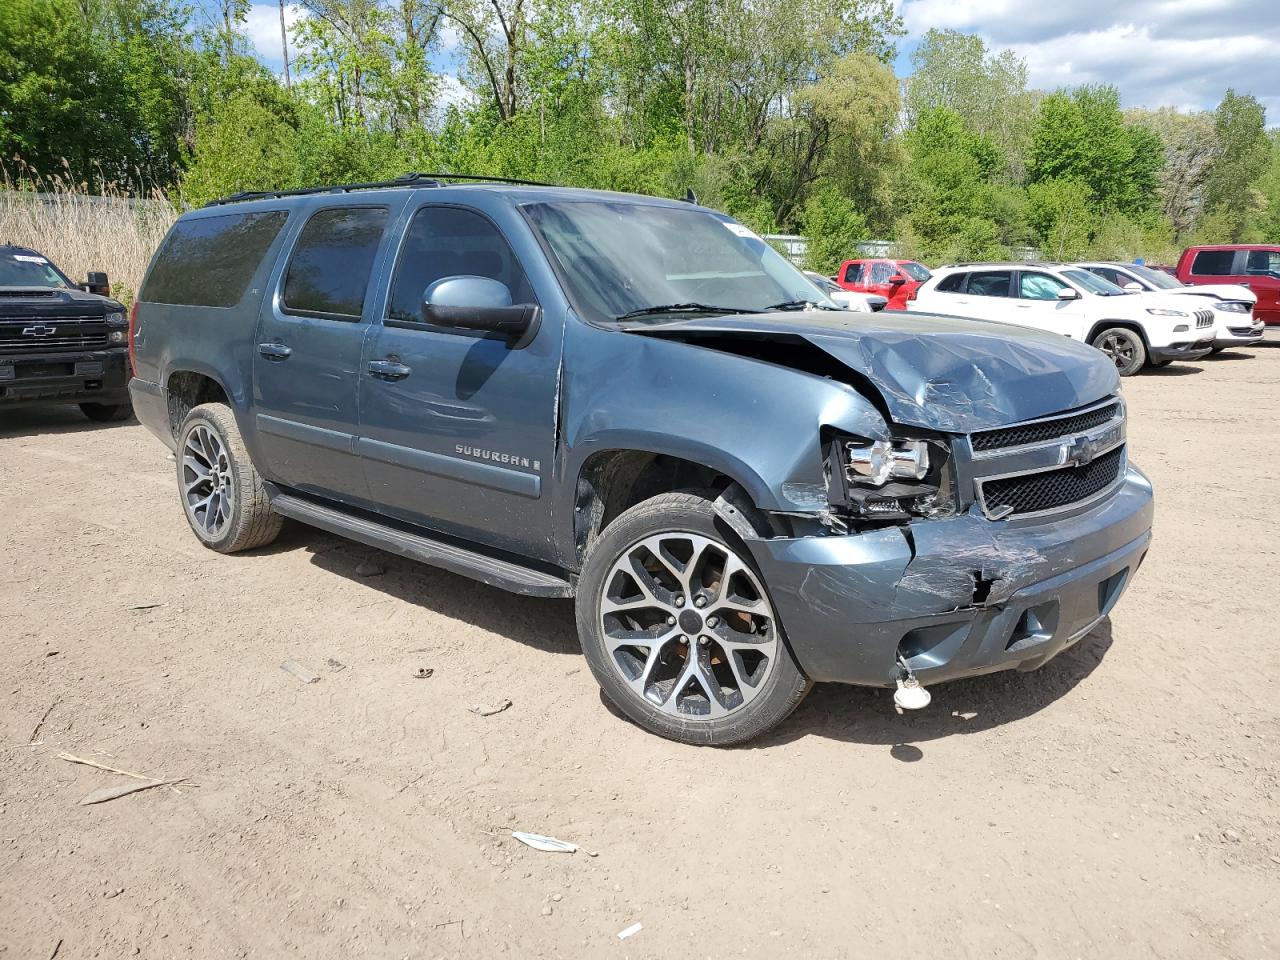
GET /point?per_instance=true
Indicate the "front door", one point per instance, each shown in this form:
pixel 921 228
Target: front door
pixel 307 354
pixel 458 428
pixel 1262 276
pixel 1038 305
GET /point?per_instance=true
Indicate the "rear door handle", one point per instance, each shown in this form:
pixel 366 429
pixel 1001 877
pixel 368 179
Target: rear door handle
pixel 275 351
pixel 389 369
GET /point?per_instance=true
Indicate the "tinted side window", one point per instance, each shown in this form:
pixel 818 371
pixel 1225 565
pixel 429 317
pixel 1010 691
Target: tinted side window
pixel 1039 286
pixel 1114 276
pixel 993 283
pixel 1213 263
pixel 451 242
pixel 853 273
pixel 209 261
pixel 951 283
pixel 332 260
pixel 1263 262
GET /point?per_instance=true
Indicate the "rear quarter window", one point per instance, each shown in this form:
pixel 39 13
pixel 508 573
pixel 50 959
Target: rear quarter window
pixel 1213 263
pixel 209 261
pixel 950 284
pixel 853 273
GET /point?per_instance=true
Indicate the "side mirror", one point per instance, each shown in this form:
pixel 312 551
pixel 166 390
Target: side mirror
pixel 897 280
pixel 1068 293
pixel 98 283
pixel 1134 285
pixel 478 303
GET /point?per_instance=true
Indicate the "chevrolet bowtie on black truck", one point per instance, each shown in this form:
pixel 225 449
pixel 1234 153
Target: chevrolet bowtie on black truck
pixel 638 403
pixel 60 342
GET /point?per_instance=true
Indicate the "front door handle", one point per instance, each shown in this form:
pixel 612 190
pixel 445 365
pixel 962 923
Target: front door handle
pixel 389 369
pixel 275 351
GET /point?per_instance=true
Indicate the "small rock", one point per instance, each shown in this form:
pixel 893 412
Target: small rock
pixel 1230 836
pixel 1114 768
pixel 557 897
pixel 593 853
pixel 1115 836
pixel 114 892
pixel 367 568
pixel 547 911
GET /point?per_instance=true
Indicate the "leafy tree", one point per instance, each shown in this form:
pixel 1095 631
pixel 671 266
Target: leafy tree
pixel 1243 154
pixel 833 227
pixel 1061 212
pixel 1189 143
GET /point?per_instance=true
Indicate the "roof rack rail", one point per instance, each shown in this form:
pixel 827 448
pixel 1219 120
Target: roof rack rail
pixel 404 180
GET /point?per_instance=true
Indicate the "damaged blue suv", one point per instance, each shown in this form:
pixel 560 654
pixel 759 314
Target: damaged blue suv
pixel 639 404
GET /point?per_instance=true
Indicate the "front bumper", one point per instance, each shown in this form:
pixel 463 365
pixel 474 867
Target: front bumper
pixel 1183 350
pixel 1238 335
pixel 962 597
pixel 93 376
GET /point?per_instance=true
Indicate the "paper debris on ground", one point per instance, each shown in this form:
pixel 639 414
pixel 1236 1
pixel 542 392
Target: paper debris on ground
pixel 299 671
pixel 545 844
pixel 631 931
pixel 488 711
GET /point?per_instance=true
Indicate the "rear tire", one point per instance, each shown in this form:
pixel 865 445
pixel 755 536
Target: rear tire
pixel 220 490
pixel 1124 347
pixel 107 412
pixel 658 568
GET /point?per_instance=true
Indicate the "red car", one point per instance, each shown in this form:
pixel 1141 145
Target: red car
pixel 1252 265
pixel 895 280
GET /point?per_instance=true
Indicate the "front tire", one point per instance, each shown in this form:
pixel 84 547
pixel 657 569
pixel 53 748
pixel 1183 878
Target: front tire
pixel 679 630
pixel 107 412
pixel 221 492
pixel 1124 347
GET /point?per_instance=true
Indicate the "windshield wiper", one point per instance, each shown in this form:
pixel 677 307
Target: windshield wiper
pixel 797 305
pixel 683 308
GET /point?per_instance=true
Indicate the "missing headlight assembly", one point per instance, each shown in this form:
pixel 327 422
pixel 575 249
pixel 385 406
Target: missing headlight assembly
pixel 890 479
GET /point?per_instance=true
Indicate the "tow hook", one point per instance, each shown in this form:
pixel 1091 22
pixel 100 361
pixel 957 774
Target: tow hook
pixel 910 695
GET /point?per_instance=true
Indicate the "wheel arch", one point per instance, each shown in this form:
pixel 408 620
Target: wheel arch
pixel 610 481
pixel 1133 325
pixel 185 389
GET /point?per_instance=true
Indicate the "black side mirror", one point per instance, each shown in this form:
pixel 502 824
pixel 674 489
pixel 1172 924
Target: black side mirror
pixel 98 283
pixel 479 303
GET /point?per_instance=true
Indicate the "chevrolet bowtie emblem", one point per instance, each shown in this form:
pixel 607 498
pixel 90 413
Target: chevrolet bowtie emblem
pixel 1079 452
pixel 39 330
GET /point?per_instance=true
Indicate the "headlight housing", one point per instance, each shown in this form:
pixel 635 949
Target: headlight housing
pixel 893 478
pixel 1232 306
pixel 1166 312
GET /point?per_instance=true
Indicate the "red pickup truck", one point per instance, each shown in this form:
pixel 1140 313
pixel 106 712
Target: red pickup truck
pixel 895 280
pixel 1253 265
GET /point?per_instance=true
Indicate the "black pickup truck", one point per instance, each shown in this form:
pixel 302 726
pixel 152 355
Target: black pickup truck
pixel 60 342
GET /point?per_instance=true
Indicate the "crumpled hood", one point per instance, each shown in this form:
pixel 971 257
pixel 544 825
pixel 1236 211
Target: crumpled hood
pixel 941 373
pixel 1217 291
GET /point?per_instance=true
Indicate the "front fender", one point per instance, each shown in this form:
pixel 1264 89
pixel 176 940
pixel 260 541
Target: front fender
pixel 757 422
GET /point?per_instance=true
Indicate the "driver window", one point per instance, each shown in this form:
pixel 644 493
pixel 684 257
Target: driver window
pixel 450 242
pixel 1039 286
pixel 881 272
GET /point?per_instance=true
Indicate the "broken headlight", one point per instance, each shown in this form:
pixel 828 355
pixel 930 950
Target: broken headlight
pixel 890 479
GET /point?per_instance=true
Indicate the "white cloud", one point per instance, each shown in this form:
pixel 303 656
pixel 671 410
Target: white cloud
pixel 450 37
pixel 1182 53
pixel 262 27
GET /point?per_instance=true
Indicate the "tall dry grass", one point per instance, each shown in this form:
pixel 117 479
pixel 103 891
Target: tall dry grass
pixel 113 230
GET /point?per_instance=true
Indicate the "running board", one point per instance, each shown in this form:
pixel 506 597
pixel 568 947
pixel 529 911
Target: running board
pixel 477 566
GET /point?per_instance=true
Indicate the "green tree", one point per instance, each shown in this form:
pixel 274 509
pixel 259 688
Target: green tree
pixel 834 227
pixel 1243 154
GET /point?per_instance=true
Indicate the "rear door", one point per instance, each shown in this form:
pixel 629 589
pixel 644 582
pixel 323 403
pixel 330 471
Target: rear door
pixel 1261 273
pixel 460 435
pixel 307 354
pixel 985 296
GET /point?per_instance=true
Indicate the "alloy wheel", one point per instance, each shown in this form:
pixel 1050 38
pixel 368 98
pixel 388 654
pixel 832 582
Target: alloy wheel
pixel 1119 348
pixel 688 626
pixel 208 487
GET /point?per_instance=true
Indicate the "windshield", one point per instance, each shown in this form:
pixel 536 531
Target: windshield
pixel 916 271
pixel 1094 283
pixel 29 270
pixel 620 257
pixel 1157 278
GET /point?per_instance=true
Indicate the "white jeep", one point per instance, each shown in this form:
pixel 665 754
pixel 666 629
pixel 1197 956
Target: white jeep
pixel 1131 328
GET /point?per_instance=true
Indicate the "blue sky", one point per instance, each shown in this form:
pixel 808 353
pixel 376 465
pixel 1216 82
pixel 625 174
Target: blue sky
pixel 1180 53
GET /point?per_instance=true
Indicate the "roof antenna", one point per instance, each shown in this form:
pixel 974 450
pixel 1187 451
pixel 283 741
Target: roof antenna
pixel 689 196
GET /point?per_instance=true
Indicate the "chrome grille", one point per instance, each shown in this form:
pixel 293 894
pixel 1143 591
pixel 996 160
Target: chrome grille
pixel 1041 431
pixel 25 335
pixel 1051 490
pixel 1204 318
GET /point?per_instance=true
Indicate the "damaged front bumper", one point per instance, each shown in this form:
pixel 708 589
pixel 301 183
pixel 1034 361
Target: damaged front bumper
pixel 955 597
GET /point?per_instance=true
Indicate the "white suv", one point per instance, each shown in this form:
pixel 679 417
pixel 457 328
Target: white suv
pixel 1232 304
pixel 1131 328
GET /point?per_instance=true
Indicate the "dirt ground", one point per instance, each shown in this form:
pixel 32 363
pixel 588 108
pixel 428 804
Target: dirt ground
pixel 1121 802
